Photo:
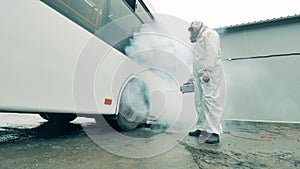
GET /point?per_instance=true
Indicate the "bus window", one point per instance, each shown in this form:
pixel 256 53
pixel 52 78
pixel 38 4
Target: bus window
pixel 131 4
pixel 93 14
pixel 120 8
pixel 143 12
pixel 86 13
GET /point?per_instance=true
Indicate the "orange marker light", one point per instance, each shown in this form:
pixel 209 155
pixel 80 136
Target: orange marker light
pixel 108 101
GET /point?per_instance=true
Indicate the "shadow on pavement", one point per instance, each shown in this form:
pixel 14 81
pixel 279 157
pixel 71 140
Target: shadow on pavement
pixel 54 130
pixel 46 130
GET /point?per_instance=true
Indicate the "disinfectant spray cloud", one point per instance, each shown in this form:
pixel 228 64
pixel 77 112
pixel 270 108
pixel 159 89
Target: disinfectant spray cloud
pixel 155 49
pixel 160 61
pixel 152 47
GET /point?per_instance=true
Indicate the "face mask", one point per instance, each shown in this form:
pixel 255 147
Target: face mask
pixel 193 36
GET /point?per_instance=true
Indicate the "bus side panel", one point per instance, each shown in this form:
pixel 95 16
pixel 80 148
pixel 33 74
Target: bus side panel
pixel 39 52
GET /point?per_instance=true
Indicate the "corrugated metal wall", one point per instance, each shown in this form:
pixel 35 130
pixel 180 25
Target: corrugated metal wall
pixel 262 88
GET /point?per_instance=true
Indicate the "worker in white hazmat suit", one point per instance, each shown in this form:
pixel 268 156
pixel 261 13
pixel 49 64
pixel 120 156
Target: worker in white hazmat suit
pixel 207 76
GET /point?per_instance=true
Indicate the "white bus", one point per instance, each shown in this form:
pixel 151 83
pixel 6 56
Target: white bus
pixel 44 58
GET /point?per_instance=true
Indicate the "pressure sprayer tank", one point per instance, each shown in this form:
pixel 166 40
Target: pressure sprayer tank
pixel 187 88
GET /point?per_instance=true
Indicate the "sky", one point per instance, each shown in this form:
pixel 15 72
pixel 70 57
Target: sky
pixel 219 13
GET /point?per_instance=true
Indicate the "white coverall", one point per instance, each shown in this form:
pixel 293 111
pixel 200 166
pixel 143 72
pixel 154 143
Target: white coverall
pixel 208 94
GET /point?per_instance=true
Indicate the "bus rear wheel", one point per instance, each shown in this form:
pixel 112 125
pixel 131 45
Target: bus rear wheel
pixel 124 124
pixel 134 105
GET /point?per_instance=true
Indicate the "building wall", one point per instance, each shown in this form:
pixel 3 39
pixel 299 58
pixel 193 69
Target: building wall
pixel 265 89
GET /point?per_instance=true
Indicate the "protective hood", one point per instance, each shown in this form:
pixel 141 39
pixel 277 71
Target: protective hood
pixel 196 25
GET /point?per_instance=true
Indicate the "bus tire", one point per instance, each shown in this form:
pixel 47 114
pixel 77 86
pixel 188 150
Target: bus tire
pixel 134 105
pixel 44 116
pixel 58 118
pixel 124 124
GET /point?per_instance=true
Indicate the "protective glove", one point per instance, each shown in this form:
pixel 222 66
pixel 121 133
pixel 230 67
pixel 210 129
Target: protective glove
pixel 206 76
pixel 190 81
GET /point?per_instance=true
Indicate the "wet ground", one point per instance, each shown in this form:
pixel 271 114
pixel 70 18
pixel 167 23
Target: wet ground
pixel 28 141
